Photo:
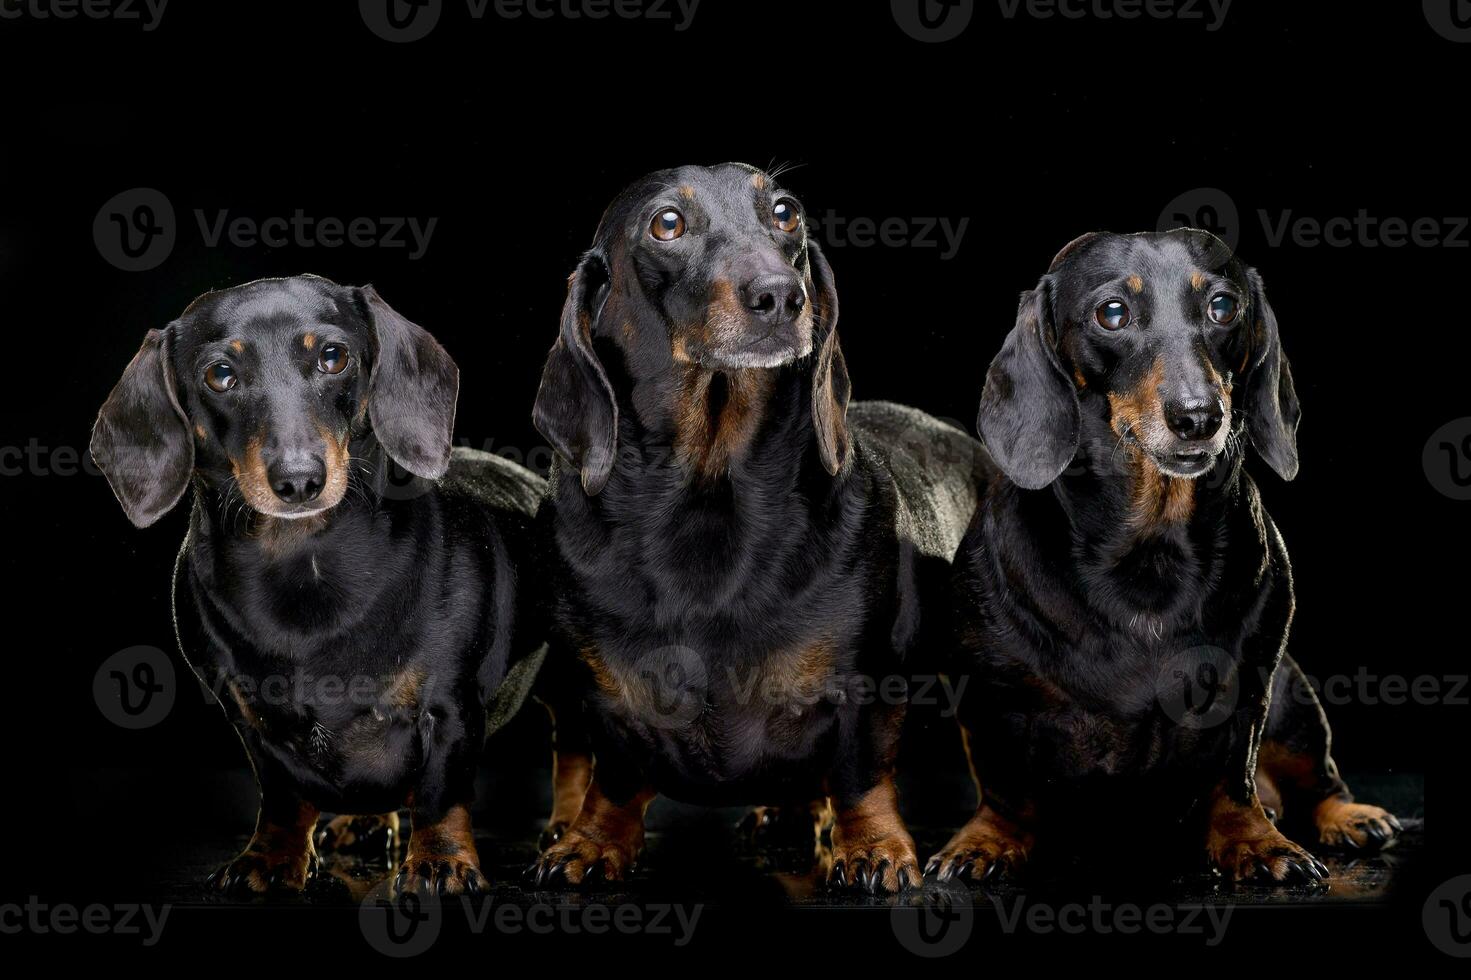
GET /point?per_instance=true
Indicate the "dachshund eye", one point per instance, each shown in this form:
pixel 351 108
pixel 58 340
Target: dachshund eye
pixel 786 216
pixel 1113 315
pixel 332 359
pixel 667 225
pixel 220 377
pixel 1223 308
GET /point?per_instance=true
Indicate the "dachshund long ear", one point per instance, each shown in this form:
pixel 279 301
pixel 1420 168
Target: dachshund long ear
pixel 1270 401
pixel 575 408
pixel 1029 409
pixel 415 384
pixel 141 440
pixel 831 387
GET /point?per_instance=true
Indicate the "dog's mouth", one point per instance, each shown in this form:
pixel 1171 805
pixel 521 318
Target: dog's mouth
pixel 1182 462
pixel 296 512
pixel 1185 464
pixel 772 350
pixel 731 338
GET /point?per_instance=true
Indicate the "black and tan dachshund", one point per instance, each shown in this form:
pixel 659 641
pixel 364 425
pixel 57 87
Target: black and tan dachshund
pixel 739 559
pixel 1124 597
pixel 353 626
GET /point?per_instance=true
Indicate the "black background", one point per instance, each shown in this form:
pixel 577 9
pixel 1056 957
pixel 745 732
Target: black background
pixel 515 134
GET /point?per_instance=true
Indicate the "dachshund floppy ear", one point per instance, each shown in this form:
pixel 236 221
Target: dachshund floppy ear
pixel 1029 409
pixel 141 440
pixel 830 385
pixel 575 408
pixel 1270 401
pixel 415 384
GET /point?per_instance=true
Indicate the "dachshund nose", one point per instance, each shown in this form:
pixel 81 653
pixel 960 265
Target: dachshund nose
pixel 774 298
pixel 1197 419
pixel 297 481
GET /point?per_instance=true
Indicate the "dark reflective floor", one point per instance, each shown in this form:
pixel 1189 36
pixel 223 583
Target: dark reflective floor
pixel 697 855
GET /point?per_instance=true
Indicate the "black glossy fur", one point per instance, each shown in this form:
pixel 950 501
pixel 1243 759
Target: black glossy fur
pixel 726 530
pixel 353 639
pixel 1122 581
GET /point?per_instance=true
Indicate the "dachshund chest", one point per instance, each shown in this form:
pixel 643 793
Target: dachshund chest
pixel 1141 721
pixel 349 735
pixel 717 721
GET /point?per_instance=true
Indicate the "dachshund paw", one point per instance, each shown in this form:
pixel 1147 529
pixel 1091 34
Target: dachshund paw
pixel 261 869
pixel 451 873
pixel 988 846
pixel 1269 856
pixel 578 858
pixel 347 834
pixel 888 864
pixel 982 850
pixel 1355 826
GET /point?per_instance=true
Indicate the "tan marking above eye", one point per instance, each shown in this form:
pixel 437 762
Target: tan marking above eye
pixel 238 346
pixel 309 341
pixel 1197 280
pixel 1135 284
pixel 758 181
pixel 687 192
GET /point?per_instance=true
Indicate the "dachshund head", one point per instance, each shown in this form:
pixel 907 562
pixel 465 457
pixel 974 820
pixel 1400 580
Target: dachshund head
pixel 1163 343
pixel 260 389
pixel 696 272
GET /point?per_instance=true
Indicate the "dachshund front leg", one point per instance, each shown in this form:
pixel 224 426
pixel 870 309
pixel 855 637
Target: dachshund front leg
pixel 280 855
